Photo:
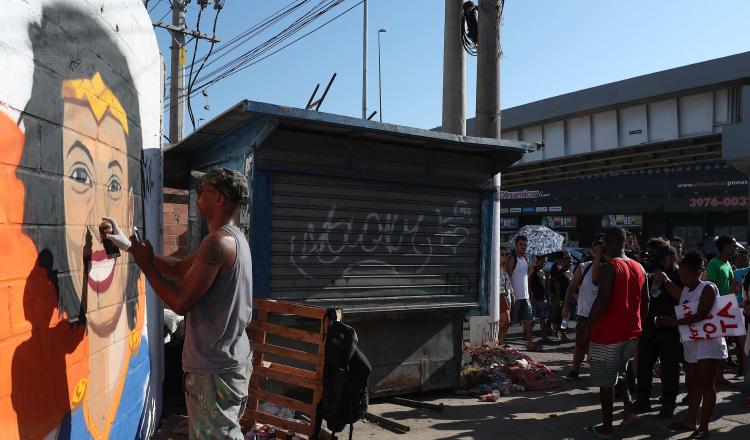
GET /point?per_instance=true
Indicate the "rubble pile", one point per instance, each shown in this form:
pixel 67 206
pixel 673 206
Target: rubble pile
pixel 491 371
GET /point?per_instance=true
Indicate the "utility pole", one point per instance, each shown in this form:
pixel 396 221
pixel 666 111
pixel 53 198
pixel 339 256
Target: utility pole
pixel 177 92
pixel 488 116
pixel 364 64
pixel 488 69
pixel 177 67
pixel 454 70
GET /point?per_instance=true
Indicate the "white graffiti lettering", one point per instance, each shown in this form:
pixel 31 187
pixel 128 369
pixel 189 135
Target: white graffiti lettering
pixel 388 234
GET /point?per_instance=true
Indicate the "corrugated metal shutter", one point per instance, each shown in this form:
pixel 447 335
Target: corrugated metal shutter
pixel 364 244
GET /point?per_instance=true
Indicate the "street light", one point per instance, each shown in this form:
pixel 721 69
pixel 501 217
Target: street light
pixel 380 78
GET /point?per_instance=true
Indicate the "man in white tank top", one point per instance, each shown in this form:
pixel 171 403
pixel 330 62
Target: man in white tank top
pixel 585 280
pixel 519 269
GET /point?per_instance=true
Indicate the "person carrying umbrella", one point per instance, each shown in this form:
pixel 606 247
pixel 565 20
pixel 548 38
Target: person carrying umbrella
pixel 531 240
pixel 519 268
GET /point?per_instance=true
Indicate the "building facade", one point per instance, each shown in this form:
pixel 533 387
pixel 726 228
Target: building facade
pixel 692 201
pixel 660 154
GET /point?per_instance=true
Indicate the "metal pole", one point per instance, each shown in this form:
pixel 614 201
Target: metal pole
pixel 454 70
pixel 488 69
pixel 177 67
pixel 380 79
pixel 364 64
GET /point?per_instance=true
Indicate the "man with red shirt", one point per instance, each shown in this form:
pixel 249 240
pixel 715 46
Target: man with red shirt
pixel 614 327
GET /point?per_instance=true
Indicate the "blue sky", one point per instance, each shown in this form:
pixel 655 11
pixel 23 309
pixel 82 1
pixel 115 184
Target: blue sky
pixel 550 47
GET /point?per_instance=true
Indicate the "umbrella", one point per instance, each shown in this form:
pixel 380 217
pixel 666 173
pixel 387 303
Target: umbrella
pixel 542 240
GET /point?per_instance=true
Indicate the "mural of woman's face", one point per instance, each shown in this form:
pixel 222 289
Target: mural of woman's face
pixel 95 166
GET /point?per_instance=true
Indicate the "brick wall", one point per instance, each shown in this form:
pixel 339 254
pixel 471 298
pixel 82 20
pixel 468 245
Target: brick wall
pixel 175 222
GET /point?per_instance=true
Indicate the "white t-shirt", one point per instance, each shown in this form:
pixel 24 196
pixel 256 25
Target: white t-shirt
pixel 519 279
pixel 587 291
pixel 704 348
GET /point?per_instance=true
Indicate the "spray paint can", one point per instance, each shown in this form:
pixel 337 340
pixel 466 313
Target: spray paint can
pixel 105 228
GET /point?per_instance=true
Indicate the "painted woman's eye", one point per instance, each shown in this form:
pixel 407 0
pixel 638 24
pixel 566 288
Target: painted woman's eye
pixel 81 175
pixel 114 186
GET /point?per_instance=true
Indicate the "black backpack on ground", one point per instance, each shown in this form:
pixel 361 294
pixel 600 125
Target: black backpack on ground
pixel 345 377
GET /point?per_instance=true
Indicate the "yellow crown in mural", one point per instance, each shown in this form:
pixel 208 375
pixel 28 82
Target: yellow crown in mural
pixel 98 95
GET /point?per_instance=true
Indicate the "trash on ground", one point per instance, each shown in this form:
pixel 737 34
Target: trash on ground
pixel 260 431
pixel 496 371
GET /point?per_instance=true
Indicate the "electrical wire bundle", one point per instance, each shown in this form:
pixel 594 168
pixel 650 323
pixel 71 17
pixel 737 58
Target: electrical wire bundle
pixel 470 28
pixel 218 5
pixel 265 49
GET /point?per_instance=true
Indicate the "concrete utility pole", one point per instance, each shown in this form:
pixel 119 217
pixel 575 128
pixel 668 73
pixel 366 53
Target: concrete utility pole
pixel 177 92
pixel 488 69
pixel 454 70
pixel 364 64
pixel 177 66
pixel 488 118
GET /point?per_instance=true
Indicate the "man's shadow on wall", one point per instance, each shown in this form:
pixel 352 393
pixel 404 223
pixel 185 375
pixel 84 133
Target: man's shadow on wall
pixel 39 393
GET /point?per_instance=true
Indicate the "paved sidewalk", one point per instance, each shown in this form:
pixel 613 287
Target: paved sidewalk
pixel 561 413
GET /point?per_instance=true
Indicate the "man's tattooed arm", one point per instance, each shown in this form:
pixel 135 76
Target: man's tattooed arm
pixel 211 252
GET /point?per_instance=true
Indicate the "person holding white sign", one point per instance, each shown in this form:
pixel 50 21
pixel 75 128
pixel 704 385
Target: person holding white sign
pixel 702 356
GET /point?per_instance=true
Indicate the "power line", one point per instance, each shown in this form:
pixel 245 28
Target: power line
pixel 260 52
pixel 260 27
pixel 192 63
pixel 154 6
pixel 296 40
pixel 251 32
pixel 165 15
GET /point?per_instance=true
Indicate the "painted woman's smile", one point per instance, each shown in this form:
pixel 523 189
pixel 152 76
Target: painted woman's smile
pixel 102 272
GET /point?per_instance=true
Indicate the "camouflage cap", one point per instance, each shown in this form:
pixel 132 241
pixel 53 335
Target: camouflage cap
pixel 229 183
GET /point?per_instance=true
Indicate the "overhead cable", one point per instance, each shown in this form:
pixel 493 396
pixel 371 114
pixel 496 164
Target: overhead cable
pixel 271 46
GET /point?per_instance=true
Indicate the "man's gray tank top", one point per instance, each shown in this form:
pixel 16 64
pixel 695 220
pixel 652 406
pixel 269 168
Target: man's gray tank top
pixel 215 337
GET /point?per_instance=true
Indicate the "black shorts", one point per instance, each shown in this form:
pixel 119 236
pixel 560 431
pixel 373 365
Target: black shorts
pixel 580 322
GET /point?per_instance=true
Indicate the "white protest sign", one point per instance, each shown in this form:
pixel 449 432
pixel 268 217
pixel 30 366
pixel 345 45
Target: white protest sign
pixel 725 319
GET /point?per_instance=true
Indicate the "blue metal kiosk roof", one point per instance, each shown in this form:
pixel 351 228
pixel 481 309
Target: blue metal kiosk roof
pixel 503 152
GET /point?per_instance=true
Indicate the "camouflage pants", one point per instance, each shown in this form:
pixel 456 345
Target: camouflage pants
pixel 216 402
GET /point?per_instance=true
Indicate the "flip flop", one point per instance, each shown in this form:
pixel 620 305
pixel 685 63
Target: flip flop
pixel 593 431
pixel 679 427
pixel 700 434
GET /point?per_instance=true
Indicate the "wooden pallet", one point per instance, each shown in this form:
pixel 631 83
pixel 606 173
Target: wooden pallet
pixel 310 378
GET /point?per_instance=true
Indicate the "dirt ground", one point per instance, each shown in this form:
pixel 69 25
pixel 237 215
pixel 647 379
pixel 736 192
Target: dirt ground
pixel 560 413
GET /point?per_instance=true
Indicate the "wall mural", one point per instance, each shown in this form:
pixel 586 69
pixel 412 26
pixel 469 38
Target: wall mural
pixel 74 346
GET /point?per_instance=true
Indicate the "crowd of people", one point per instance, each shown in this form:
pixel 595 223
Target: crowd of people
pixel 623 300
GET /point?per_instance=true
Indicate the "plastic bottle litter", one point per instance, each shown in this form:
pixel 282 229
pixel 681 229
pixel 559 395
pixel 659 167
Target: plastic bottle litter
pixel 564 324
pixel 517 387
pixel 494 396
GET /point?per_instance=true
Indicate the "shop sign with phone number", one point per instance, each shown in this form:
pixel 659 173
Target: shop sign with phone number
pixel 717 202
